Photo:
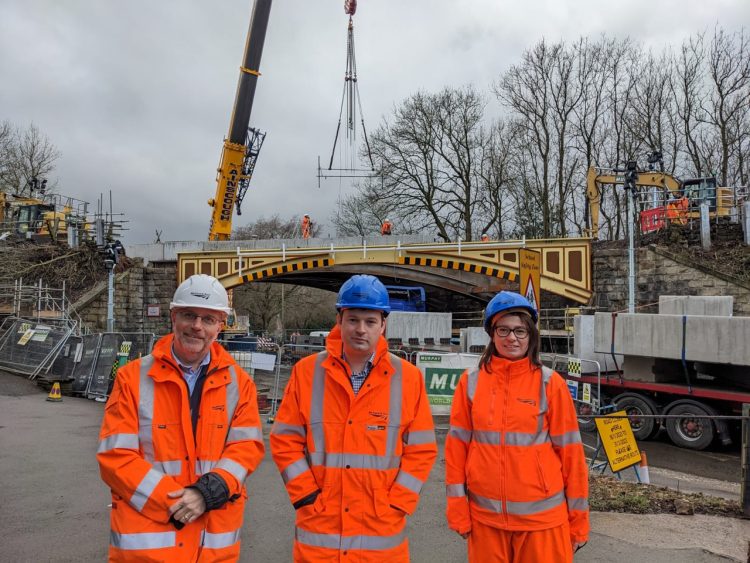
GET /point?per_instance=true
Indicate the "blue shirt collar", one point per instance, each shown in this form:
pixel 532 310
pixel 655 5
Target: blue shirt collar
pixel 189 369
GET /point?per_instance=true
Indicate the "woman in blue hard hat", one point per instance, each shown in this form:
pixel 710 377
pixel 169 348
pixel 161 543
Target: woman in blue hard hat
pixel 516 475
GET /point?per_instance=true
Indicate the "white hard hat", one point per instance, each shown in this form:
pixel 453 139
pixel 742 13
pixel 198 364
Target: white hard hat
pixel 387 220
pixel 201 291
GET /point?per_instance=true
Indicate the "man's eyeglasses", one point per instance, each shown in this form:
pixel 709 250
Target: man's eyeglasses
pixel 520 332
pixel 206 320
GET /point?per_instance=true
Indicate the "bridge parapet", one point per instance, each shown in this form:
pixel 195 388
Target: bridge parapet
pixel 566 263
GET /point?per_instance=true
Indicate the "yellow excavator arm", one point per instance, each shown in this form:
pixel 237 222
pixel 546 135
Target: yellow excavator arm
pixel 598 177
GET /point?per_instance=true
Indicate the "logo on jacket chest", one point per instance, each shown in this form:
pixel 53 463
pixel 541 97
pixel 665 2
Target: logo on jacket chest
pixel 379 422
pixel 530 402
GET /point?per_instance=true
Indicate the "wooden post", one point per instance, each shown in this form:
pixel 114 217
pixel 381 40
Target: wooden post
pixel 745 488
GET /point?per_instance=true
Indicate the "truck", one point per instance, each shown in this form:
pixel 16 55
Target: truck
pixel 690 361
pixel 407 298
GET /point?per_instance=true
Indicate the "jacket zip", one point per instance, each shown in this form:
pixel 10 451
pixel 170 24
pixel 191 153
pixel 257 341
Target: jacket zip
pixel 503 449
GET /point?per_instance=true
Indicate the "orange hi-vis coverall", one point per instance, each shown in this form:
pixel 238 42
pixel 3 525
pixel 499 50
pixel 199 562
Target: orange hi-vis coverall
pixel 514 457
pixel 369 455
pixel 147 449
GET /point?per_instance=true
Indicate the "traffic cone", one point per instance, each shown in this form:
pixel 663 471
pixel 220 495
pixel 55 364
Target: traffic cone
pixel 643 469
pixel 54 393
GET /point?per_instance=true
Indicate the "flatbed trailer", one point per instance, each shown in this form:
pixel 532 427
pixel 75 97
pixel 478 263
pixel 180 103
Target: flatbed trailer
pixel 695 401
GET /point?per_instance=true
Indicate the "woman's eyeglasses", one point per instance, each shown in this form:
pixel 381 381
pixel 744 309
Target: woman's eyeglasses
pixel 520 332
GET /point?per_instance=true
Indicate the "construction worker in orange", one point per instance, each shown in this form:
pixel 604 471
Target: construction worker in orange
pixel 306 226
pixel 516 475
pixel 180 434
pixel 485 237
pixel 677 210
pixel 354 438
pixel 386 228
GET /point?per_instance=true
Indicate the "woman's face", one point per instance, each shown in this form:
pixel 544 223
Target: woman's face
pixel 515 345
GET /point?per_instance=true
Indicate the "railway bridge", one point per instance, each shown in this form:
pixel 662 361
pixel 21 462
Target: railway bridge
pixel 451 272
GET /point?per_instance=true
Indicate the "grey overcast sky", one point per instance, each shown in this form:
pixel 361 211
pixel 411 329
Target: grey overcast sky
pixel 137 94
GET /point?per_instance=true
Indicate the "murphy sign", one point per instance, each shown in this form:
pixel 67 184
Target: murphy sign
pixel 441 374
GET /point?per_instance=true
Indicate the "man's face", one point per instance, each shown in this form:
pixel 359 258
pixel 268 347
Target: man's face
pixel 195 329
pixel 360 330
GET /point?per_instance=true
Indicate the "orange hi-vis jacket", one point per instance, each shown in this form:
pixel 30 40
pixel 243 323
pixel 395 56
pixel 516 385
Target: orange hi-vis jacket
pixel 368 454
pixel 514 457
pixel 147 449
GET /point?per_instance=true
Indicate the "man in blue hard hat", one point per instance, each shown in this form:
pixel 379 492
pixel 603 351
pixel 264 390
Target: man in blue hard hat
pixel 354 438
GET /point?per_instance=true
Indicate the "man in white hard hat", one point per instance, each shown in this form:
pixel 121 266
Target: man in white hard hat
pixel 180 434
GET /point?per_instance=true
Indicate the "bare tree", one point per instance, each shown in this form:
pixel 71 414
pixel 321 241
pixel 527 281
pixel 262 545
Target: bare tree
pixel 26 155
pixel 271 228
pixel 729 100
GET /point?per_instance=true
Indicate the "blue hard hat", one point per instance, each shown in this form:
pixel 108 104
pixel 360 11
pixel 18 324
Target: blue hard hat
pixel 506 301
pixel 363 292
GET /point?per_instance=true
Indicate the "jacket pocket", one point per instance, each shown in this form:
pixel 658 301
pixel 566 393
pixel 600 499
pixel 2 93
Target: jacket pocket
pixel 542 477
pixel 382 504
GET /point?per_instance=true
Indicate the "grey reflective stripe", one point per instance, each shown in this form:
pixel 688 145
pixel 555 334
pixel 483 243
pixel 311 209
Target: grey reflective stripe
pixel 335 541
pixel 572 437
pixel 419 437
pixel 355 461
pixel 234 468
pixel 295 470
pixel 122 441
pixel 217 541
pixel 146 409
pixel 578 503
pixel 150 540
pixel 455 490
pixel 282 429
pixel 471 383
pixel 546 376
pixel 460 433
pixel 394 407
pixel 204 466
pixel 145 488
pixel 535 506
pixel 486 437
pixel 316 403
pixel 525 438
pixel 169 467
pixel 409 481
pixel 232 395
pixel 488 503
pixel 239 433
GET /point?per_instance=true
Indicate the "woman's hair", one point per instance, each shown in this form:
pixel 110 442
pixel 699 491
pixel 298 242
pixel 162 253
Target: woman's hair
pixel 534 344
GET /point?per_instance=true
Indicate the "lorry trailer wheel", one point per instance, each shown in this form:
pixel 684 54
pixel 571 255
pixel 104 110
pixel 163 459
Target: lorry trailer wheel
pixel 688 431
pixel 634 405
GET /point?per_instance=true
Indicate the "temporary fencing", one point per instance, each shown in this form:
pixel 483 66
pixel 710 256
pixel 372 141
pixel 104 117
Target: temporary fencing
pixel 115 349
pixel 29 347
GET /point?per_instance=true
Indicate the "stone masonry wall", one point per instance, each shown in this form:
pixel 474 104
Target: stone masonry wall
pixel 658 273
pixel 135 291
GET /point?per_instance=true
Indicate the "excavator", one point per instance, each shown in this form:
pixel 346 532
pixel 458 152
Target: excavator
pixel 243 144
pixel 681 197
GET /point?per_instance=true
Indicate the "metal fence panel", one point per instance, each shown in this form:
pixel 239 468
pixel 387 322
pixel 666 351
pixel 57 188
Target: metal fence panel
pixel 138 344
pixel 65 362
pixel 86 361
pixel 30 347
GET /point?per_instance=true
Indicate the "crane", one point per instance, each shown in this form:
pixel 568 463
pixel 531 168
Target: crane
pixel 242 145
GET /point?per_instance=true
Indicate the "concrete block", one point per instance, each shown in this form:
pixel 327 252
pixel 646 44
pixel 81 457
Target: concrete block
pixel 405 325
pixel 583 347
pixel 717 306
pixel 721 340
pixel 473 336
pixel 638 368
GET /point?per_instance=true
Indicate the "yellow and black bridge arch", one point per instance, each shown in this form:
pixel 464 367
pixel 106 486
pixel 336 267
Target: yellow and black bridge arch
pixel 478 269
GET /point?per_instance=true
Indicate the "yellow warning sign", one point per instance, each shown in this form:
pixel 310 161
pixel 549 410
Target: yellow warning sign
pixel 618 441
pixel 531 267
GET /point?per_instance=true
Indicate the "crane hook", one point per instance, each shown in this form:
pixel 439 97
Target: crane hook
pixel 350 6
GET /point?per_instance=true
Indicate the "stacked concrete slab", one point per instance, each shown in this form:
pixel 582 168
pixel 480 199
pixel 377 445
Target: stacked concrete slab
pixel 473 336
pixel 715 306
pixel 647 340
pixel 405 325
